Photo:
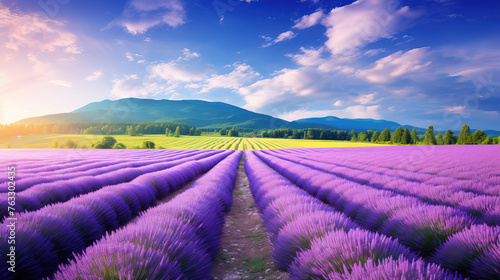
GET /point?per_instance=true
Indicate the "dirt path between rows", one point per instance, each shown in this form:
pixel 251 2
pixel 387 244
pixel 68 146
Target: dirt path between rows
pixel 246 250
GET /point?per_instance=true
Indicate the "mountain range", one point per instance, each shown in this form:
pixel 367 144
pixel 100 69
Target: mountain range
pixel 204 114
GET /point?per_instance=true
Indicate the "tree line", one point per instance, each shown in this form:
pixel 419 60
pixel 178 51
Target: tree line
pixel 399 136
pixel 116 128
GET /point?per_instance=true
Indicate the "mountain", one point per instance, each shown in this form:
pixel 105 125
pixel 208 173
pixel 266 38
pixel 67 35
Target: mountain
pixel 359 124
pixel 206 114
pixel 194 112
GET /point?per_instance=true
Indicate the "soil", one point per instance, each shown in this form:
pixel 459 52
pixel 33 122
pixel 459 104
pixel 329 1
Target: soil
pixel 246 249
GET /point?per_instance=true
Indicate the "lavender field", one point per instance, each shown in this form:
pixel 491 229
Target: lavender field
pixel 402 212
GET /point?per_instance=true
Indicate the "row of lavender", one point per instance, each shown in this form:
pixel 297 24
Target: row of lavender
pixel 56 168
pixel 432 164
pixel 485 207
pixel 34 193
pixel 313 241
pixel 444 233
pixel 49 236
pixel 176 240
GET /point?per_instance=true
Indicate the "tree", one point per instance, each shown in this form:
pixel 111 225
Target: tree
pixel 148 145
pixel 478 137
pixel 100 146
pixel 369 134
pixel 487 141
pixel 354 139
pixel 439 138
pixel 55 144
pixel 406 137
pixel 396 136
pixel 351 134
pixel 375 136
pixel 223 132
pixel 177 131
pixel 131 131
pixel 362 137
pixel 429 136
pixel 167 131
pixel 197 132
pixel 119 146
pixel 108 142
pixel 191 131
pixel 70 144
pixel 449 138
pixel 233 133
pixel 310 134
pixel 385 136
pixel 464 135
pixel 414 136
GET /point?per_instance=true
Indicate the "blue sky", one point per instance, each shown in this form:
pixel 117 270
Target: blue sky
pixel 430 62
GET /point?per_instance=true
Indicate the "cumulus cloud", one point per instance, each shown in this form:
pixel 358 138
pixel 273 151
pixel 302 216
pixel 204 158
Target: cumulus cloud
pixel 309 20
pixel 240 76
pixel 132 86
pixel 364 21
pixel 174 72
pixel 364 99
pixel 141 15
pixel 187 54
pixel 287 85
pixel 309 57
pixel 129 56
pixel 287 35
pixel 96 75
pixel 396 65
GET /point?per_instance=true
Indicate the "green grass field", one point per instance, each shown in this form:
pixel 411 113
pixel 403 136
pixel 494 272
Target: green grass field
pixel 211 141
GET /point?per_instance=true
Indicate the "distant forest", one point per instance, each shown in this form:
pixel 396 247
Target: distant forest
pixel 399 136
pixel 117 128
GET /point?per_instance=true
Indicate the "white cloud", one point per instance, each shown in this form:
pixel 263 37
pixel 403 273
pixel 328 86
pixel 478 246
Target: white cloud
pixel 187 54
pixel 174 72
pixel 240 76
pixel 396 65
pixel 129 56
pixel 141 15
pixel 374 52
pixel 61 83
pixel 353 112
pixel 309 20
pixel 338 103
pixel 96 75
pixel 364 21
pixel 366 98
pixel 132 86
pixel 287 35
pixel 286 85
pixel 309 57
pixel 32 33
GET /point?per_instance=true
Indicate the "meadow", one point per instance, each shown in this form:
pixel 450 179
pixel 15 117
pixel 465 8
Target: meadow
pixel 406 212
pixel 206 141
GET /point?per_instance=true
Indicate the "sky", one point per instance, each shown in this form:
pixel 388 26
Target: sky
pixel 428 62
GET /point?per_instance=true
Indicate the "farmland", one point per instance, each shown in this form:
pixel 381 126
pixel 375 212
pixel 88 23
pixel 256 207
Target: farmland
pixel 413 212
pixel 209 141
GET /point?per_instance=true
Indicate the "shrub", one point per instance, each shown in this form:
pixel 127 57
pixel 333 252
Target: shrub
pixel 148 145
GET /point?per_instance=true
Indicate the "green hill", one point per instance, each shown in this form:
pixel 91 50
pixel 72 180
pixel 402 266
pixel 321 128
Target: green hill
pixel 193 112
